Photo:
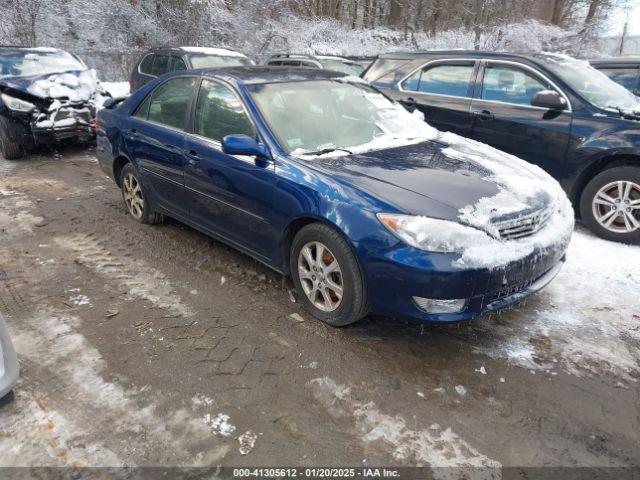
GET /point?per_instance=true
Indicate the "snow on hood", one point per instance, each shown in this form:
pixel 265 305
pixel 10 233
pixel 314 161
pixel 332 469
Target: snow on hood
pixel 76 96
pixel 77 87
pixel 522 188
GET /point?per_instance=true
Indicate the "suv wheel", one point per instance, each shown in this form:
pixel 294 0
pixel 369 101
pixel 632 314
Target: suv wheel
pixel 610 204
pixel 9 149
pixel 326 275
pixel 134 197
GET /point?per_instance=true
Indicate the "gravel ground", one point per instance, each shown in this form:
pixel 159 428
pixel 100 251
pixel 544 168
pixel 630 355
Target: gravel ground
pixel 155 345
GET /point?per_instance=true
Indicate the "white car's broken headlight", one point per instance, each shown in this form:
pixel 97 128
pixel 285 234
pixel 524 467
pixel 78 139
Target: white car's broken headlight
pixel 16 104
pixel 432 234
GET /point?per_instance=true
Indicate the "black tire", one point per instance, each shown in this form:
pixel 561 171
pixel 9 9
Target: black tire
pixel 9 150
pixel 143 213
pixel 600 181
pixel 353 304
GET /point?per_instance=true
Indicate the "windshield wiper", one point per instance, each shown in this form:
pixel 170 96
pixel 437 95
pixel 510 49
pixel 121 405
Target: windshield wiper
pixel 328 150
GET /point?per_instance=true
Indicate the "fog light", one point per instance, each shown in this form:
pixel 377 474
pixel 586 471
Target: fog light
pixel 434 305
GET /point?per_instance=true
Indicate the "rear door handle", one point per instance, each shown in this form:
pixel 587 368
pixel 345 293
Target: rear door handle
pixel 133 132
pixel 484 115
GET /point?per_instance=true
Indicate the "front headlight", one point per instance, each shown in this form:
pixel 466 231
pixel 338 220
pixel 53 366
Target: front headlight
pixel 432 234
pixel 16 104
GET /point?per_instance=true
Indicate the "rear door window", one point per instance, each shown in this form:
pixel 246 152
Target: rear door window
pixel 444 79
pixel 160 65
pixel 146 64
pixel 169 103
pixel 508 84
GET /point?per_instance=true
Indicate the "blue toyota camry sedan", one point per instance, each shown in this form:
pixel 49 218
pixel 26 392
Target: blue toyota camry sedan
pixel 323 178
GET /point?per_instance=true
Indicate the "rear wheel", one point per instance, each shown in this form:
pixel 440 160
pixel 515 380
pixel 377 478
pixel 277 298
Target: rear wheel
pixel 9 150
pixel 134 197
pixel 326 275
pixel 610 204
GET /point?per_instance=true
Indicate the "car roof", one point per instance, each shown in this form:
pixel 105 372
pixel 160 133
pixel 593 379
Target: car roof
pixel 198 50
pixel 261 74
pixel 456 53
pixel 616 61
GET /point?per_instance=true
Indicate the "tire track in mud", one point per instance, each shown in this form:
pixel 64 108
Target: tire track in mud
pixel 139 279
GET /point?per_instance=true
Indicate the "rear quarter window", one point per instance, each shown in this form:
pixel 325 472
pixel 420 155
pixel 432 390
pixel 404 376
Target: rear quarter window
pixel 146 64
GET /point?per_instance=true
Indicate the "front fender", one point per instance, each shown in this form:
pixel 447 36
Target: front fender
pixel 304 195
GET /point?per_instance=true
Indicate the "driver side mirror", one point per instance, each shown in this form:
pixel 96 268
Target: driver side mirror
pixel 244 145
pixel 549 99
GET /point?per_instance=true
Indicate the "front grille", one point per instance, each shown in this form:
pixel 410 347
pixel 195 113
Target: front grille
pixel 523 226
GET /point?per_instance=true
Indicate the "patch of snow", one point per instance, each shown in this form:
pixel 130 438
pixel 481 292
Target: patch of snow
pixel 222 52
pixel 220 424
pixel 422 447
pixel 78 87
pixel 80 300
pixel 16 220
pixel 116 89
pixel 585 321
pixel 202 400
pixel 460 390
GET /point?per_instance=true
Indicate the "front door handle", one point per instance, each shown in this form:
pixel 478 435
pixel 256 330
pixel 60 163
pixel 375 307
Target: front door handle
pixel 484 115
pixel 192 157
pixel 410 103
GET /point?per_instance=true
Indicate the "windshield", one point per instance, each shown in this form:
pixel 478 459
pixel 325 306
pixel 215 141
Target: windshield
pixel 213 61
pixel 593 85
pixel 333 114
pixel 341 66
pixel 20 63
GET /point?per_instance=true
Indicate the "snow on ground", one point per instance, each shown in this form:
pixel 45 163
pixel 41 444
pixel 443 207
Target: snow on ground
pixel 586 320
pixel 432 447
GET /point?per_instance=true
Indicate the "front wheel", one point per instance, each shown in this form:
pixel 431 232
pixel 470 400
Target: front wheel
pixel 326 275
pixel 134 197
pixel 610 204
pixel 9 149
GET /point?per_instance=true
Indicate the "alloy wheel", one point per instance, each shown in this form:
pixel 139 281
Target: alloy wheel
pixel 320 276
pixel 133 196
pixel 616 206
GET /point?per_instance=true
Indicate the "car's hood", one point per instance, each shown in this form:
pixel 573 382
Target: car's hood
pixel 73 85
pixel 435 176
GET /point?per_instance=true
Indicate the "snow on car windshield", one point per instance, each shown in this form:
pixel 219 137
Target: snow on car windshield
pixel 19 63
pixel 330 117
pixel 592 84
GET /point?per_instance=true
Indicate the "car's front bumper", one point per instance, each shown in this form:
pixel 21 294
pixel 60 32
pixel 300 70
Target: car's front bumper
pixel 399 274
pixel 9 367
pixel 46 135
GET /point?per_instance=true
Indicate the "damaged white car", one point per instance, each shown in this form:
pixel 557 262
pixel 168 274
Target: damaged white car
pixel 46 95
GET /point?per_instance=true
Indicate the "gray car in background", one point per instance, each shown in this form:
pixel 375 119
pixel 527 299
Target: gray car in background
pixel 9 368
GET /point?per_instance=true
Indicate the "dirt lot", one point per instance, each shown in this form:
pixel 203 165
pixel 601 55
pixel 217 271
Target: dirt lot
pixel 156 345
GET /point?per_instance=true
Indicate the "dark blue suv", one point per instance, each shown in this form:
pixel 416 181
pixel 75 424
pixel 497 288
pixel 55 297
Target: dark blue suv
pixel 551 110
